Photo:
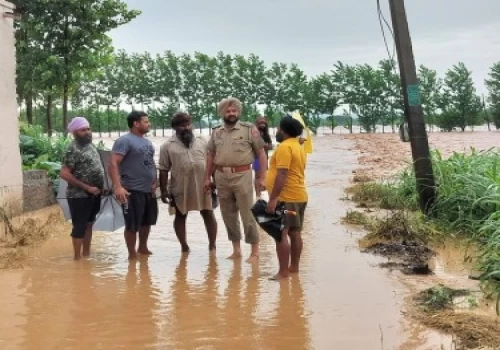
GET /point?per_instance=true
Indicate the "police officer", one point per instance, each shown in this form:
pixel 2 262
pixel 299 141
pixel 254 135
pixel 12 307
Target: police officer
pixel 231 151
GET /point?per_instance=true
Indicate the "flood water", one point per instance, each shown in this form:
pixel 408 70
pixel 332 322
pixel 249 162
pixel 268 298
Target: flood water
pixel 340 300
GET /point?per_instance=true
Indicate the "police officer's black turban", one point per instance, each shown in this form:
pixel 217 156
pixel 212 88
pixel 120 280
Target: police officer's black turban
pixel 291 126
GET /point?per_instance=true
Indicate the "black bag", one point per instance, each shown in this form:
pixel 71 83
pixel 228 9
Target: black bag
pixel 271 223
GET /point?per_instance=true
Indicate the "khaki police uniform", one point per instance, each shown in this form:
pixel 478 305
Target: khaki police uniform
pixel 234 151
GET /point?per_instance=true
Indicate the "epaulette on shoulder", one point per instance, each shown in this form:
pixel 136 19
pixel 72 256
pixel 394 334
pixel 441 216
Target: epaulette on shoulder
pixel 247 124
pixel 217 127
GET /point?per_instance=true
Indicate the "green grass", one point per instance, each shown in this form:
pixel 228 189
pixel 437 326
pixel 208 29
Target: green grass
pixel 467 204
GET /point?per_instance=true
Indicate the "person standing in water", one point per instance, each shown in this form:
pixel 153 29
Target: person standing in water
pixel 185 157
pixel 133 172
pixel 263 127
pixel 231 150
pixel 286 186
pixel 83 170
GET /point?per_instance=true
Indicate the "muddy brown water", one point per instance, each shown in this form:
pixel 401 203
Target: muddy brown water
pixel 340 300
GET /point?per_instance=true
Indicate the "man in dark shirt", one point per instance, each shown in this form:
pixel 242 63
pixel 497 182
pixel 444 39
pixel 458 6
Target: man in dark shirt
pixel 83 170
pixel 263 127
pixel 133 172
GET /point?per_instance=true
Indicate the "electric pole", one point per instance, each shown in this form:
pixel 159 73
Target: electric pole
pixel 426 188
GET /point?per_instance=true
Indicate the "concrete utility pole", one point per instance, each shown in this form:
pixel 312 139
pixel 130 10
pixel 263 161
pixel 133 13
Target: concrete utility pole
pixel 413 109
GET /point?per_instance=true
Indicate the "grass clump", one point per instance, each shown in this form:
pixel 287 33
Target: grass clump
pixel 439 297
pixel 29 232
pixel 387 195
pixel 400 227
pixel 354 217
pixel 472 331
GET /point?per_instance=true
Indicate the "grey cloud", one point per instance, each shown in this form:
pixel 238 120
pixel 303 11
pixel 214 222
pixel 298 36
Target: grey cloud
pixel 317 33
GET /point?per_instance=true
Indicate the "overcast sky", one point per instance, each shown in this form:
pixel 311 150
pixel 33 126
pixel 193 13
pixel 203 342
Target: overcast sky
pixel 317 33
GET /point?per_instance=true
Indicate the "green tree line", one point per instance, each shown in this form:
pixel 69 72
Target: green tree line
pixel 67 65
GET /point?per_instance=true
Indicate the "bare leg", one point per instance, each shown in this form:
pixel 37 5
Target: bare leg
pixel 87 240
pixel 211 227
pixel 283 252
pixel 130 239
pixel 296 249
pixel 180 230
pixel 143 240
pixel 254 255
pixel 77 247
pixel 236 250
pixel 257 185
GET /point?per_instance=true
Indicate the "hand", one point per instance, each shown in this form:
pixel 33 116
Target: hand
pixel 153 189
pixel 121 195
pixel 94 191
pixel 208 185
pixel 271 206
pixel 262 184
pixel 165 196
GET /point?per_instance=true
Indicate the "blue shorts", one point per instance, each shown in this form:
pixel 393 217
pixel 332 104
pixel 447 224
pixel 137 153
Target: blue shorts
pixel 256 164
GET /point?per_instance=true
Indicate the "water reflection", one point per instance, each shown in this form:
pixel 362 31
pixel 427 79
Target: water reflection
pixel 202 316
pixel 288 326
pixel 192 307
pixel 68 307
pixel 168 301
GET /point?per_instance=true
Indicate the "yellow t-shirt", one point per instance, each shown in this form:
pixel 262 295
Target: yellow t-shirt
pixel 289 155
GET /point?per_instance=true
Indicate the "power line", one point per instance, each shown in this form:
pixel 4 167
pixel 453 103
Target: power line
pixel 382 20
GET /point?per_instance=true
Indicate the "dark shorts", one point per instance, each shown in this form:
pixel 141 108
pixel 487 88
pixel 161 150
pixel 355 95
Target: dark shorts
pixel 142 210
pixel 83 212
pixel 294 221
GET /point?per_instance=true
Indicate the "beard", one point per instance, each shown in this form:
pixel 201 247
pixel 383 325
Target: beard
pixel 231 119
pixel 280 137
pixel 186 137
pixel 83 140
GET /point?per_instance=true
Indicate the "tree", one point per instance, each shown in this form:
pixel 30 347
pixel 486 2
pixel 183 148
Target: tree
pixel 191 92
pixel 363 90
pixel 73 35
pixel 493 85
pixel 294 91
pixel 324 97
pixel 430 89
pixel 392 94
pixel 274 86
pixel 38 71
pixel 207 68
pixel 459 98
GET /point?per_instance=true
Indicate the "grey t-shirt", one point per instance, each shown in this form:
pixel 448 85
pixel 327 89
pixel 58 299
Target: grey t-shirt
pixel 137 169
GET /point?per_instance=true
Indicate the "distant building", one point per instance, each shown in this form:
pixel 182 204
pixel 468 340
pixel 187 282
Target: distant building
pixel 11 177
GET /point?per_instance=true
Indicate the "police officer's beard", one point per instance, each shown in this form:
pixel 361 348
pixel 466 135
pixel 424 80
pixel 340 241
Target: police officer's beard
pixel 83 140
pixel 231 119
pixel 186 137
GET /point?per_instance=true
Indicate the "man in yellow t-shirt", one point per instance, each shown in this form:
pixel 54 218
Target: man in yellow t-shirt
pixel 286 186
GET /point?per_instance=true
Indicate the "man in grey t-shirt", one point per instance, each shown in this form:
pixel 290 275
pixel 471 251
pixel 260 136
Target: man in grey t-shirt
pixel 133 173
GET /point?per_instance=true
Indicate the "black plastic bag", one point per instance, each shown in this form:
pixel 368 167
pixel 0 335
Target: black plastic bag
pixel 271 223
